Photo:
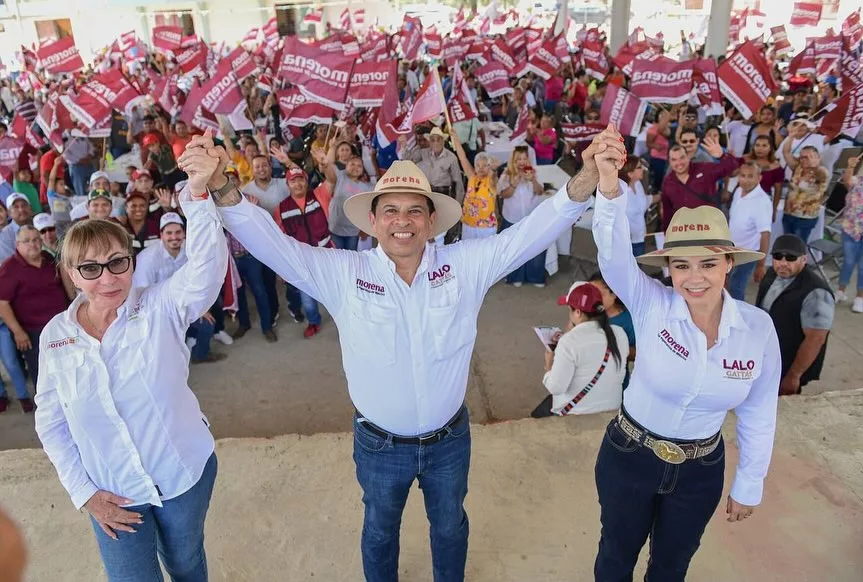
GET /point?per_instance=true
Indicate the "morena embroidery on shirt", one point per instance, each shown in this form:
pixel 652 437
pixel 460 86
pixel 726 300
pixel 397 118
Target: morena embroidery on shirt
pixel 136 310
pixel 373 288
pixel 672 345
pixel 738 369
pixel 440 276
pixel 66 341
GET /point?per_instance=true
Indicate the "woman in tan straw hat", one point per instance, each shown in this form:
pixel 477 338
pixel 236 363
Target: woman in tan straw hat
pixel 660 469
pixel 407 312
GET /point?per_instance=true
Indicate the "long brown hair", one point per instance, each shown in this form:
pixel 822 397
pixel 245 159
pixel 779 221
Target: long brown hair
pixel 771 156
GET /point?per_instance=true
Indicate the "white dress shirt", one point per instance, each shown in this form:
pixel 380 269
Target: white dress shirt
pixel 577 359
pixel 679 389
pixel 155 264
pixel 637 204
pixel 406 349
pixel 119 415
pixel 749 216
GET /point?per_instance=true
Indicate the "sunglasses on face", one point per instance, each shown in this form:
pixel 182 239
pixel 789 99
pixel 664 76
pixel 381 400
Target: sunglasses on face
pixel 688 141
pixel 92 271
pixel 788 258
pixel 48 229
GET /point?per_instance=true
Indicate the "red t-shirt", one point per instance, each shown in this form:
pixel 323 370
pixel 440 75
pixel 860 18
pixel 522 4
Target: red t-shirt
pixel 45 165
pixel 36 294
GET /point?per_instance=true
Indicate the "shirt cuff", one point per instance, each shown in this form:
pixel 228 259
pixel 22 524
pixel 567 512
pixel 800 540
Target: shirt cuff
pixel 83 495
pixel 192 205
pixel 747 490
pixel 567 207
pixel 611 206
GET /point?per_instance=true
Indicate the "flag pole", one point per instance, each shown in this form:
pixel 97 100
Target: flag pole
pixel 442 100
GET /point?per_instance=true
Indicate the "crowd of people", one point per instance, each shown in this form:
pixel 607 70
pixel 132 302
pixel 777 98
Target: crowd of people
pixel 199 222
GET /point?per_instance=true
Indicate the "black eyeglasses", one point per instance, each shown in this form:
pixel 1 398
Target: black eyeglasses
pixel 785 257
pixel 118 266
pixel 48 229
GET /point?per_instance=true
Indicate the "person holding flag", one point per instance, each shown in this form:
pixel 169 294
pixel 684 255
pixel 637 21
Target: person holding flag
pixel 407 314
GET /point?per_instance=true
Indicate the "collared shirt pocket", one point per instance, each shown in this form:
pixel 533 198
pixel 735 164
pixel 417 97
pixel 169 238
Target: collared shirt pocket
pixel 373 332
pixel 132 354
pixel 68 375
pixel 451 328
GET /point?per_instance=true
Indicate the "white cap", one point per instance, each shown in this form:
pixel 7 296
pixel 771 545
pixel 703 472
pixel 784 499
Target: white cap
pixel 96 175
pixel 43 221
pixel 170 218
pixel 13 197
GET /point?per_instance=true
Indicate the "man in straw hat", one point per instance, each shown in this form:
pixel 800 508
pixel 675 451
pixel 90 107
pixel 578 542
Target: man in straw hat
pixel 661 465
pixel 406 313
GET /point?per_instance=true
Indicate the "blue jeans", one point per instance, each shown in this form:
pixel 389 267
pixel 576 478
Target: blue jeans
pixel 345 242
pixel 637 249
pixel 9 357
pixel 386 471
pixel 641 495
pixel 252 273
pixel 802 227
pixel 270 287
pixel 80 174
pixel 310 308
pixel 174 532
pixel 852 257
pixel 533 271
pixel 739 278
pixel 203 332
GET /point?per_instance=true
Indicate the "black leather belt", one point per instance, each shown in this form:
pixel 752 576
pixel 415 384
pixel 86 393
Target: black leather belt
pixel 423 439
pixel 674 452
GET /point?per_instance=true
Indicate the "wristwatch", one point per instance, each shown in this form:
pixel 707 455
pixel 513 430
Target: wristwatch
pixel 223 191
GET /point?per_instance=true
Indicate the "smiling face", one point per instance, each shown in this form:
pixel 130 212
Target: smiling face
pixel 101 184
pixel 344 152
pixel 20 212
pixel 109 291
pixel 298 187
pixel 49 237
pixel 173 236
pixel 689 141
pixel 28 243
pixel 809 158
pixel 679 161
pixel 99 208
pixel 354 168
pixel 699 280
pixel 436 143
pixel 748 178
pixel 262 169
pixel 136 209
pixel 144 184
pixel 402 224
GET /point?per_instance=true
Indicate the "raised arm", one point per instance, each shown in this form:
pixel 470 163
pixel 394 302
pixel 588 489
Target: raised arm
pixel 462 157
pixel 328 164
pixel 848 174
pixel 638 292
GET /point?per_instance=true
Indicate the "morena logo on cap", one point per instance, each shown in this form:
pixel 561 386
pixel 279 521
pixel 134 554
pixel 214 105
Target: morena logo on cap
pixel 690 227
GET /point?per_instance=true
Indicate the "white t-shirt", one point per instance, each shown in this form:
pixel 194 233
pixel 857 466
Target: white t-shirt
pixel 277 190
pixel 637 203
pixel 737 132
pixel 577 358
pixel 749 216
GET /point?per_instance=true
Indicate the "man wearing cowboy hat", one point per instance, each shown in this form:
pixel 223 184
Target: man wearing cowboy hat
pixel 439 165
pixel 406 313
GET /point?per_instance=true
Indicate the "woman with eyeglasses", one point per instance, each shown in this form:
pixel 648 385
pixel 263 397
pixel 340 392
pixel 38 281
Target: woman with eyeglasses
pixel 115 412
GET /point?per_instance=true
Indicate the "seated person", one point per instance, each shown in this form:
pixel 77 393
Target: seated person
pixel 584 374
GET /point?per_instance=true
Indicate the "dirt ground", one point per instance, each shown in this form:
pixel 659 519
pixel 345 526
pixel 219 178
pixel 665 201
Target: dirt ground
pixel 297 386
pixel 289 509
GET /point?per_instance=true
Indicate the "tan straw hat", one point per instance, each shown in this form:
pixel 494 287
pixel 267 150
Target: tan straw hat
pixel 698 232
pixel 403 177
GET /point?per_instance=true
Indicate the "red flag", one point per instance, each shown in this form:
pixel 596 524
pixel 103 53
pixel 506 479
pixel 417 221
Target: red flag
pixel 167 38
pixel 60 56
pixel 345 19
pixel 459 110
pixel 313 16
pixel 97 98
pixel 127 40
pixel 412 37
pixel 369 81
pixel 852 30
pixel 163 93
pixel 828 47
pixel 434 44
pixel 298 111
pixel 350 45
pixel 252 36
pixel 494 79
pixel 705 85
pixel 320 76
pixel 846 115
pixel 477 51
pixel 595 62
pixel 561 48
pixel 628 52
pixel 242 63
pixel 193 58
pixel 803 62
pixel 454 51
pixel 662 80
pixel 623 109
pixel 271 31
pixel 222 94
pixel 461 92
pixel 374 48
pixel 501 52
pixel 574 132
pixel 10 149
pixel 360 17
pixel 429 102
pixel 734 26
pixel 520 132
pixel 852 71
pixel 781 44
pixel 806 14
pixel 745 79
pixel 544 61
pixel 330 44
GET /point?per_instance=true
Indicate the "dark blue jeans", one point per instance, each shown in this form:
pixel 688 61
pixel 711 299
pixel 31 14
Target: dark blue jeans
pixel 739 278
pixel 802 227
pixel 173 532
pixel 9 357
pixel 252 273
pixel 637 249
pixel 202 331
pixel 386 471
pixel 641 495
pixel 270 287
pixel 533 271
pixel 80 174
pixel 345 242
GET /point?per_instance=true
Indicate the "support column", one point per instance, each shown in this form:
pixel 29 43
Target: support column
pixel 717 28
pixel 202 12
pixel 143 25
pixel 619 24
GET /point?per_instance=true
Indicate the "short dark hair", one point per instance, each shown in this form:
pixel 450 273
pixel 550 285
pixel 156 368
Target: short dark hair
pixel 148 118
pixel 374 207
pixel 4 126
pixel 692 131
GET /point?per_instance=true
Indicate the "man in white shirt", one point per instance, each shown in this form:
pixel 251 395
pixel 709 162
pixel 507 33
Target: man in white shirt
pixel 157 263
pixel 750 221
pixel 20 213
pixel 406 313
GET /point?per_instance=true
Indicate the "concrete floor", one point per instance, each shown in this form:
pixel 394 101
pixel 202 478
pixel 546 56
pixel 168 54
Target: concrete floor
pixel 297 386
pixel 289 509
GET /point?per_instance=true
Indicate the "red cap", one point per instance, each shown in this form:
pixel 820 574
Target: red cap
pixel 136 194
pixel 586 298
pixel 150 139
pixel 295 172
pixel 142 172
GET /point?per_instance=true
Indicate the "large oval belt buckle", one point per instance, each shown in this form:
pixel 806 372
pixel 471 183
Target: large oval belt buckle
pixel 669 452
